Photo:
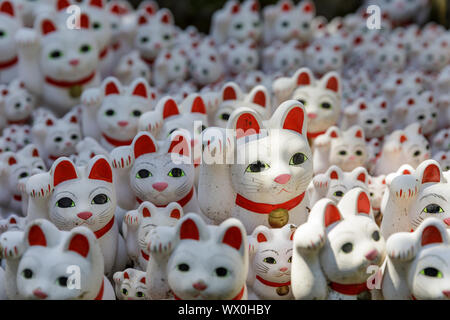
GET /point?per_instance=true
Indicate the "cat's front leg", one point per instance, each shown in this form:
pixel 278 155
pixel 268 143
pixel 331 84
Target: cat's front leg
pixel 12 246
pixel 132 221
pixel 122 160
pixel 39 188
pixel 28 46
pixel 322 145
pixel 91 100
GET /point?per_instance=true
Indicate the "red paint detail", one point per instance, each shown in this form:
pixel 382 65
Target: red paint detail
pixel 261 237
pixel 65 170
pixel 79 244
pixel 272 284
pixel 36 237
pixel 294 120
pixel 115 142
pixel 283 178
pixel 430 235
pixel 233 237
pixel 101 232
pixel 349 289
pixel 264 208
pixel 143 145
pixel 189 230
pixel 332 215
pixel 84 215
pixel 68 84
pixel 431 174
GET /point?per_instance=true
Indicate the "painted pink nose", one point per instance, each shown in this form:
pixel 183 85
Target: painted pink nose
pixel 200 286
pixel 283 178
pixel 372 255
pixel 122 123
pixel 158 45
pixel 312 115
pixel 447 221
pixel 74 62
pixel 446 293
pixel 160 186
pixel 39 294
pixel 84 215
pixel 284 269
pixel 68 144
pixel 351 158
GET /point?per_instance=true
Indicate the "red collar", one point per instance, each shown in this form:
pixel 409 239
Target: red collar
pixel 144 255
pixel 68 84
pixel 148 61
pixel 413 298
pixel 100 293
pixel 313 135
pixel 238 297
pixel 265 208
pixel 20 122
pixel 182 202
pixel 17 197
pixel 349 289
pixel 9 63
pixel 100 233
pixel 116 143
pixel 103 53
pixel 54 158
pixel 116 46
pixel 272 284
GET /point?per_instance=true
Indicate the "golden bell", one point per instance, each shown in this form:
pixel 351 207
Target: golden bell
pixel 278 218
pixel 282 291
pixel 75 91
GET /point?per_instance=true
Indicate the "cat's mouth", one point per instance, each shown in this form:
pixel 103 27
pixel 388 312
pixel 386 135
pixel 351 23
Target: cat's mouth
pixel 283 189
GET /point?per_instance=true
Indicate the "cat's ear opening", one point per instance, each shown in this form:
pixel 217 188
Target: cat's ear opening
pixel 331 81
pixel 168 107
pixel 230 91
pixel 36 236
pixel 431 235
pixel 78 243
pixel 62 5
pixel 331 215
pixel 47 26
pixel 175 211
pixel 189 230
pixel 232 234
pixel 111 86
pixel 63 169
pixel 259 96
pixel 363 203
pixel 7 8
pixel 139 88
pixel 142 144
pixel 245 121
pixel 147 209
pixel 166 16
pixel 303 77
pixel 100 169
pixel 429 171
pixel 195 103
pixel 291 116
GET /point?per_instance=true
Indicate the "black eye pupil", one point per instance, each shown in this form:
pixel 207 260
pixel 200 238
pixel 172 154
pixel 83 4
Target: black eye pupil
pixel 285 24
pixel 421 117
pixel 225 116
pixel 62 281
pixel 376 236
pixel 109 112
pixel 431 272
pixel 359 153
pixel 143 173
pixel 85 48
pixel 433 208
pixel 238 26
pixel 417 153
pixel 23 175
pixel 96 25
pixel 55 54
pixel 58 139
pixel 139 294
pixel 183 267
pixel 339 193
pixel 270 260
pixel 203 128
pixel 326 105
pixel 343 152
pixel 221 272
pixel 298 158
pixel 74 137
pixel 348 247
pixel 65 202
pixel 177 172
pixel 384 120
pixel 370 121
pixel 27 273
pixel 257 166
pixel 100 199
pixel 136 113
pixel 2 33
pixel 125 291
pixel 167 37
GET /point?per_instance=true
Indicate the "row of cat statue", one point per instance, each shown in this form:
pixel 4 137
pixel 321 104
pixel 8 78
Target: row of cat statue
pixel 281 156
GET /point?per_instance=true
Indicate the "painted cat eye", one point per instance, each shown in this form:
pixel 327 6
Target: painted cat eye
pixel 96 25
pixel 225 116
pixel 100 199
pixel 417 153
pixel 432 272
pixel 65 202
pixel 125 291
pixel 136 113
pixel 55 54
pixel 176 173
pixel 338 194
pixel 183 267
pixel 143 173
pixel 433 209
pixel 376 236
pixel 27 273
pixel 2 33
pixel 302 101
pixel 290 260
pixel 297 159
pixel 62 281
pixel 140 294
pixel 23 175
pixel 85 48
pixel 342 152
pixel 221 272
pixel 110 112
pixel 359 153
pixel 325 105
pixel 285 24
pixel 167 37
pixel 270 260
pixel 370 121
pixel 145 39
pixel 257 166
pixel 57 139
pixel 347 247
pixel 238 26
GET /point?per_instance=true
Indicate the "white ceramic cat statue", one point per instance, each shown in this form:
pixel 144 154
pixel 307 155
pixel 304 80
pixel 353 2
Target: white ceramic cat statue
pixel 444 159
pixel 270 260
pixel 198 261
pixel 267 183
pixel 130 284
pixel 9 25
pixel 334 248
pixel 71 196
pixel 16 104
pixel 130 67
pixel 40 264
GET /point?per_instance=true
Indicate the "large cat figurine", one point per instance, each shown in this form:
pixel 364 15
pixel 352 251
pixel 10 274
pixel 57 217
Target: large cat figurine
pixel 334 248
pixel 71 196
pixel 57 63
pixel 131 284
pixel 270 252
pixel 198 261
pixel 417 263
pixel 41 263
pixel 9 25
pixel 267 183
pixel 140 222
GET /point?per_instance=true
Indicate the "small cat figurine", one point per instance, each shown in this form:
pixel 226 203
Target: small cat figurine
pixel 198 261
pixel 13 222
pixel 86 149
pixel 267 183
pixel 411 198
pixel 140 222
pixel 377 187
pixel 130 284
pixel 334 248
pixel 111 113
pixel 9 25
pixel 51 54
pixel 159 172
pixel 441 140
pixel 417 263
pixel 131 66
pixel 283 57
pixel 41 261
pixel 239 58
pixel 71 196
pixel 19 135
pixel 334 183
pixel 15 167
pixel 270 252
pixel 346 149
pixel 323 56
pixel 170 69
pixel 57 137
pixel 321 98
pixel 16 103
pixel 444 159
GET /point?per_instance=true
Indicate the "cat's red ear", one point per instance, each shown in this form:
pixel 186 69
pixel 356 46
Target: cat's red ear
pixel 286 6
pixel 403 138
pixel 304 78
pixel 146 212
pixel 334 133
pixel 229 93
pixel 170 108
pixel 295 120
pixel 126 275
pixel 363 203
pixel 12 160
pixel 246 124
pixel 84 21
pixel 334 175
pixel 259 96
pixel 35 153
pixel 101 170
pixel 62 4
pixel 143 144
pixel 36 236
pixel 12 220
pixel 175 213
pixel 96 3
pixel 166 17
pixel 332 82
pixel 261 237
pixel 73 119
pixel 233 237
pixel 358 134
pixel 432 173
pixel 64 170
pixel 142 20
pixel 431 235
pixel 49 123
pixel 140 89
pixel 332 215
pixel 7 8
pixel 142 280
pixel 79 243
pixel 111 87
pixel 189 230
pixel 180 145
pixel 47 26
pixel 198 105
pixel 362 177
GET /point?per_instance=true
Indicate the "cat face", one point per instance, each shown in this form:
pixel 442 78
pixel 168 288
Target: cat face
pixel 291 22
pixel 19 135
pixel 18 104
pixel 273 253
pixel 82 196
pixel 45 265
pixel 444 160
pixel 156 34
pixel 415 149
pixel 209 262
pixel 130 67
pixel 9 25
pixel 240 57
pixel 390 57
pixel 377 186
pixel 131 285
pixel 65 52
pixel 321 100
pixel 245 22
pixel 206 66
pixel 154 176
pixel 324 58
pixel 118 116
pixel 287 58
pixel 172 63
pixel 432 57
pixel 441 141
pixel 373 117
pixel 267 169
